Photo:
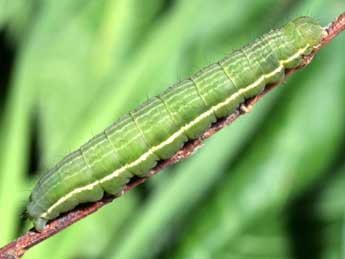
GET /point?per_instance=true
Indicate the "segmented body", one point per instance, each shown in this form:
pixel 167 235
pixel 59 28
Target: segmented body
pixel 159 127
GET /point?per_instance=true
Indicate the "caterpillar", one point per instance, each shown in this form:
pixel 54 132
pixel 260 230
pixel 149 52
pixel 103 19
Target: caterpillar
pixel 158 128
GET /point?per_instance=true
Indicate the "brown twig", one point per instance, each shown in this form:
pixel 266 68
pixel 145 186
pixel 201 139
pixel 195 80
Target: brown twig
pixel 18 247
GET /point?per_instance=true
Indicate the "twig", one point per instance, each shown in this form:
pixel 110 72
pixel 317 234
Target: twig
pixel 18 247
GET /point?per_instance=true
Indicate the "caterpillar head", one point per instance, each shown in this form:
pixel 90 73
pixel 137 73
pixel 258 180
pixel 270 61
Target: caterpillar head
pixel 304 33
pixel 309 29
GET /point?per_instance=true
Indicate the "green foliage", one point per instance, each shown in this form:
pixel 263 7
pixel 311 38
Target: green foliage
pixel 268 186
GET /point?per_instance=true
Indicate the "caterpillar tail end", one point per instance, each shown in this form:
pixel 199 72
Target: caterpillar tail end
pixel 39 224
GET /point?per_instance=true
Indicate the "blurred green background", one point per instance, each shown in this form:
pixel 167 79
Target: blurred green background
pixel 272 185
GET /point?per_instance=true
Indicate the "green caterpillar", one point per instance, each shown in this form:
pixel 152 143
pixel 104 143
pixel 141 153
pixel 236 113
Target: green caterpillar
pixel 158 128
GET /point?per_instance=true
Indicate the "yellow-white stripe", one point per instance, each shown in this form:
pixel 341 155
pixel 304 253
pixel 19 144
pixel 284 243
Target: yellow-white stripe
pixel 174 136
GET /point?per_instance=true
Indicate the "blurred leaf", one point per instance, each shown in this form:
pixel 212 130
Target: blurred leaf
pixel 15 140
pixel 265 238
pixel 329 205
pixel 16 16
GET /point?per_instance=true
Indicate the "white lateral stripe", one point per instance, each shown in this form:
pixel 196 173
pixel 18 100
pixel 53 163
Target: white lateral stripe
pixel 296 55
pixel 174 136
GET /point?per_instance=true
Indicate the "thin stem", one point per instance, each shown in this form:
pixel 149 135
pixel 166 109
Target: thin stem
pixel 18 247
